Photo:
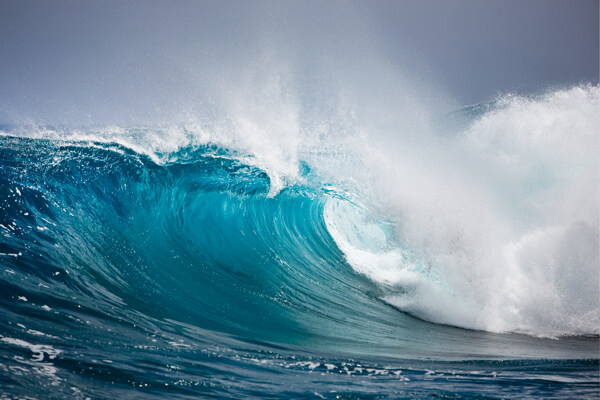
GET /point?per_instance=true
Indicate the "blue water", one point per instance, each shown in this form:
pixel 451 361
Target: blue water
pixel 124 276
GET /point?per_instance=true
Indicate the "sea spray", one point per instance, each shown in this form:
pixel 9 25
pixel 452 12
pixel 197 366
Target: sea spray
pixel 505 212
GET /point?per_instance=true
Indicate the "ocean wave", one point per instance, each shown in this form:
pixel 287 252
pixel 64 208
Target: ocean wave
pixel 281 248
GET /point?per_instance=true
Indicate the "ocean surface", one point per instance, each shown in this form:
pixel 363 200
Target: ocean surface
pixel 199 262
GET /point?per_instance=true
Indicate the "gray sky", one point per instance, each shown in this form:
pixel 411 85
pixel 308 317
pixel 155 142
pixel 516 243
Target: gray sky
pixel 93 61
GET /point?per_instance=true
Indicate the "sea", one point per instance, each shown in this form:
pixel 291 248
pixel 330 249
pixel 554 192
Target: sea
pixel 261 256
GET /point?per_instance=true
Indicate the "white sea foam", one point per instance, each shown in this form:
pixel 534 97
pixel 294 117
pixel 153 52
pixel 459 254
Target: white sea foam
pixel 505 214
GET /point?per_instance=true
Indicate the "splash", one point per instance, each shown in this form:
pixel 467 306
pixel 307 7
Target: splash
pixel 505 213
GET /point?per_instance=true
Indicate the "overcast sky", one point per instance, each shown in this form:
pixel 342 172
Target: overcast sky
pixel 63 60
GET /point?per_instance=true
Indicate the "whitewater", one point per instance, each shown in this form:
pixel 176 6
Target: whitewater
pixel 345 250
